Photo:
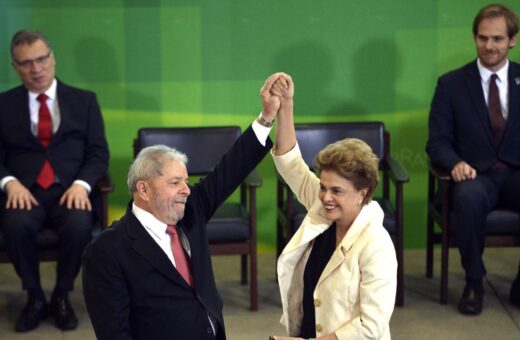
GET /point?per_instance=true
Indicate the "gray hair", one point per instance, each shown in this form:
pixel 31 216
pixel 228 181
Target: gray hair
pixel 149 163
pixel 27 37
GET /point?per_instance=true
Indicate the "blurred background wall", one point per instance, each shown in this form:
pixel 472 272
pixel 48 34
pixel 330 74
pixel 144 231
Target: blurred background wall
pixel 183 63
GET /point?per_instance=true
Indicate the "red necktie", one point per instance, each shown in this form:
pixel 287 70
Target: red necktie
pixel 46 176
pixel 498 123
pixel 181 261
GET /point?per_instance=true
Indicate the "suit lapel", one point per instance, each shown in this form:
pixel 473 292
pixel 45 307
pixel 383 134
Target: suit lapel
pixel 312 225
pixel 335 261
pixel 64 107
pixel 371 213
pixel 143 244
pixel 474 86
pixel 23 116
pixel 513 96
pixel 339 254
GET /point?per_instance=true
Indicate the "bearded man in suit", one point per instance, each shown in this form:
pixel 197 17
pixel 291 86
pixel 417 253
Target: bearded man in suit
pixel 474 130
pixel 149 276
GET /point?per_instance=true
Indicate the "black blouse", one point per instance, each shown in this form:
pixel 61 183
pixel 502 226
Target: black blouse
pixel 322 249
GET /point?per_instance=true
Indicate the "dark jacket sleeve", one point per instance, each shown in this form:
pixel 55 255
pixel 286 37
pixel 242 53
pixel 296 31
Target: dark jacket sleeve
pixel 440 145
pixel 83 153
pixel 236 164
pixel 96 153
pixel 105 291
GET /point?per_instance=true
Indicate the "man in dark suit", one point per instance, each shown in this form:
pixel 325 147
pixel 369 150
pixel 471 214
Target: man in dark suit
pixel 52 152
pixel 136 283
pixel 474 130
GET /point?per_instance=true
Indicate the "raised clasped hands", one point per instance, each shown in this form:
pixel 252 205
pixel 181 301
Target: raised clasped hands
pixel 277 92
pixel 283 88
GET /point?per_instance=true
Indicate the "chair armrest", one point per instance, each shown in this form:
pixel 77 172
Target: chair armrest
pixel 105 185
pixel 439 173
pixel 397 171
pixel 254 179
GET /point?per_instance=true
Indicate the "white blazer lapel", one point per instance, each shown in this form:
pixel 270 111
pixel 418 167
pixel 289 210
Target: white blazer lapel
pixel 312 225
pixel 367 215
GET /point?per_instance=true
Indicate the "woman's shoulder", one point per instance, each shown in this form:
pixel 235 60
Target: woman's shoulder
pixel 374 237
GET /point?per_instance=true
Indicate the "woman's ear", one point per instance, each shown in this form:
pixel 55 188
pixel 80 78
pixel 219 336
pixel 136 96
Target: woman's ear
pixel 363 193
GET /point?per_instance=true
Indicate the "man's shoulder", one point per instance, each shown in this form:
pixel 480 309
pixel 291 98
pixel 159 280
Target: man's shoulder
pixel 112 234
pixel 514 66
pixel 15 91
pixel 65 88
pixel 460 72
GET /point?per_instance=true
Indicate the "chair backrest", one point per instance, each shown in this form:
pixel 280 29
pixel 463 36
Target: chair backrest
pixel 312 137
pixel 204 146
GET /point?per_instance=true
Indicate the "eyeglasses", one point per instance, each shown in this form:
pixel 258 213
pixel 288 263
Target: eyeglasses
pixel 27 64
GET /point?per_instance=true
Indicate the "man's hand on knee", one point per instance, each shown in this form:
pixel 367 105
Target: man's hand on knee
pixel 18 196
pixel 76 197
pixel 463 171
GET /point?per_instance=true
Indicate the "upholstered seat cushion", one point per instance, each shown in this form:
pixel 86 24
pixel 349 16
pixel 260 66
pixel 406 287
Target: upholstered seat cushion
pixel 499 221
pixel 229 224
pixel 46 238
pixel 502 222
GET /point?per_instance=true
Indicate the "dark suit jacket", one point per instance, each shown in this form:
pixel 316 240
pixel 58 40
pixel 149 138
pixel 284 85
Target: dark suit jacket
pixel 131 288
pixel 459 124
pixel 78 149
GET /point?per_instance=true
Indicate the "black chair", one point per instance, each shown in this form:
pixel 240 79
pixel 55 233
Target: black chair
pixel 47 239
pixel 313 137
pixel 502 226
pixel 232 229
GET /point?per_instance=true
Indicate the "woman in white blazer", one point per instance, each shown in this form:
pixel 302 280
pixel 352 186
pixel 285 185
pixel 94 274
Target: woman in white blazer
pixel 337 275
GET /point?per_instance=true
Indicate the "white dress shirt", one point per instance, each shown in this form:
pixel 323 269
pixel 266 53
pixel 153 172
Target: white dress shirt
pixel 156 229
pixel 54 110
pixel 502 84
pixel 52 104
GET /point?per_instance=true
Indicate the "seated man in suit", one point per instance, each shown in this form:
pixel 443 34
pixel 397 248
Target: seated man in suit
pixel 474 130
pixel 52 152
pixel 149 276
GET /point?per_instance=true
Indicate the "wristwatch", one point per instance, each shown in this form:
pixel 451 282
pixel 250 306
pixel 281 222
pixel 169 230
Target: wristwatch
pixel 263 121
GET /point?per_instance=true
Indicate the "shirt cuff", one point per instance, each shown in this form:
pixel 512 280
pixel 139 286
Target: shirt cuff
pixel 83 184
pixel 261 132
pixel 4 181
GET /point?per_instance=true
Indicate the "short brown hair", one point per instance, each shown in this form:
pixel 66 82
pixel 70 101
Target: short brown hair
pixel 496 11
pixel 27 37
pixel 352 159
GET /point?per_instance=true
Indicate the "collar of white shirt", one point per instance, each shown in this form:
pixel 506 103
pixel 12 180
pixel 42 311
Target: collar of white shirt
pixel 150 222
pixel 485 73
pixel 51 91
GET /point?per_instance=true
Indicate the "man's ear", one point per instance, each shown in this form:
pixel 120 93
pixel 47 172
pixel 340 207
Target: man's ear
pixel 143 190
pixel 512 42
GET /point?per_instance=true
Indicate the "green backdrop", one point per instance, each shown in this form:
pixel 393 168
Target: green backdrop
pixel 182 63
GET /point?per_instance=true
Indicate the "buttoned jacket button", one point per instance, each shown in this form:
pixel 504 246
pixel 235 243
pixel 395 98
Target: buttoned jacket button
pixel 319 327
pixel 317 302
